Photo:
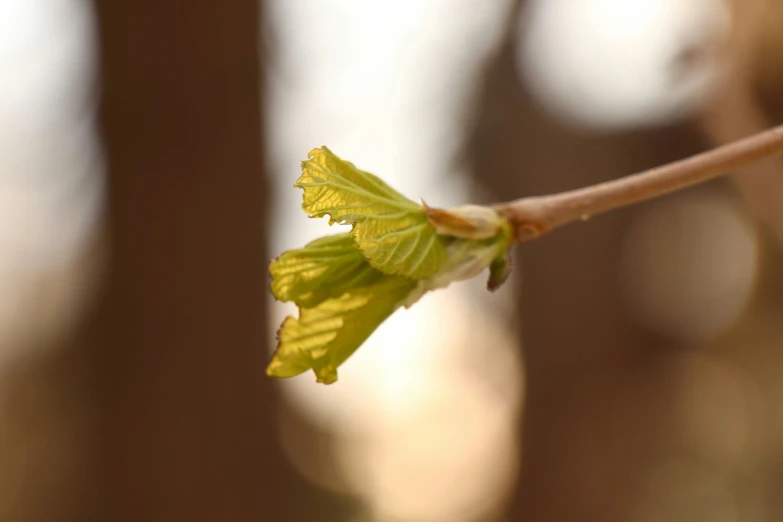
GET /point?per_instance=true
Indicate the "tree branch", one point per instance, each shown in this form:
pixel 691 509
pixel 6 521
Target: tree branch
pixel 532 217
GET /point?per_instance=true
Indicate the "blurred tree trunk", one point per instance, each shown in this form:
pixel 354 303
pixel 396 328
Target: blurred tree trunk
pixel 189 414
pixel 591 415
pixel 601 401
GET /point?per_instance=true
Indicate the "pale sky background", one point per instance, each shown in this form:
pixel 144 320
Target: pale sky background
pixel 50 168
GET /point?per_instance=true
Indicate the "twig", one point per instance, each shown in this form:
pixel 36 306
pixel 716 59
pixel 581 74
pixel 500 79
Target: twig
pixel 533 216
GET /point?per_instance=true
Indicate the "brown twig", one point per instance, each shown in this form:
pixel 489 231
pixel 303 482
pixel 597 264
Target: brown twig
pixel 533 216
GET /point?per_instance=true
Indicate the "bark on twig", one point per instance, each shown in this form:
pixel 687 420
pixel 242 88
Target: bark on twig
pixel 533 216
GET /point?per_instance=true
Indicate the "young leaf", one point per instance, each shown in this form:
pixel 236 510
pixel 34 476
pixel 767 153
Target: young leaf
pixel 325 268
pixel 499 270
pixel 392 231
pixel 323 337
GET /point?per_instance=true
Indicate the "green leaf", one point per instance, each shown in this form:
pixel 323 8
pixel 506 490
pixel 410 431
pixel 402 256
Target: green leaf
pixel 325 268
pixel 323 337
pixel 392 231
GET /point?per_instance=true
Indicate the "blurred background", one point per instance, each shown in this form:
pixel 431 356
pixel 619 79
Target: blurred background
pixel 629 371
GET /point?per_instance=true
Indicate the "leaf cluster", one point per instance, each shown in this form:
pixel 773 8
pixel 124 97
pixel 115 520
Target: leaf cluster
pixel 347 284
